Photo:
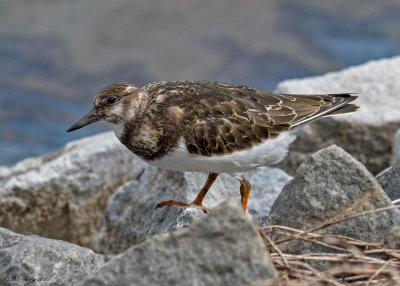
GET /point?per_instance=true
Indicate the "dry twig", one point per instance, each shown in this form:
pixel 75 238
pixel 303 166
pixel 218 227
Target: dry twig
pixel 357 262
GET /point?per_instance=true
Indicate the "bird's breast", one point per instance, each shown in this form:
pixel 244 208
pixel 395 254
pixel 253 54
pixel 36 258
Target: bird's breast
pixel 146 141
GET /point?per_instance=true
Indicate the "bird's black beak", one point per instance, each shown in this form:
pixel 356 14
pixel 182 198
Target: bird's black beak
pixel 89 118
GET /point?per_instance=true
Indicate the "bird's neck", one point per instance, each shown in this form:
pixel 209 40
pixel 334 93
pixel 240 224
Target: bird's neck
pixel 118 128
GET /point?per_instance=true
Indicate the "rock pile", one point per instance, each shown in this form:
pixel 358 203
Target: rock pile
pixel 222 247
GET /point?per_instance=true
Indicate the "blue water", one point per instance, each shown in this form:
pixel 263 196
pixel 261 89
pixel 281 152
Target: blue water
pixel 342 48
pixel 34 122
pixel 34 129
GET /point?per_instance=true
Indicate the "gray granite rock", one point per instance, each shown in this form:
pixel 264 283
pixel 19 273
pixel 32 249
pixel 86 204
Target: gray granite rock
pixel 389 180
pixel 367 134
pixel 132 208
pixel 396 147
pixel 223 248
pixel 64 194
pixel 33 260
pixel 331 184
pixel 171 219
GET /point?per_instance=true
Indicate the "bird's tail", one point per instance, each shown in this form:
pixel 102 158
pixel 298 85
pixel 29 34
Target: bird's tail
pixel 338 105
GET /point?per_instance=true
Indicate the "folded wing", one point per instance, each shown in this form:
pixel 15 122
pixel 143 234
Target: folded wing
pixel 220 118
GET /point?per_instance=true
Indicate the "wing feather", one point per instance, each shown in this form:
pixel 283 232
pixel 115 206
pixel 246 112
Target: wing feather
pixel 220 118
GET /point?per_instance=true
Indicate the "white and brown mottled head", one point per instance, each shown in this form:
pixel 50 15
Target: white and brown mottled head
pixel 114 105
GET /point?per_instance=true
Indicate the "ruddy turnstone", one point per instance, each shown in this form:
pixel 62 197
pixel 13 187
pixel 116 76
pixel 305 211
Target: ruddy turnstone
pixel 208 126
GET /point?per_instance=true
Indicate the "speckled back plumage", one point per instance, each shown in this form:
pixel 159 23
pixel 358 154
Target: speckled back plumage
pixel 219 118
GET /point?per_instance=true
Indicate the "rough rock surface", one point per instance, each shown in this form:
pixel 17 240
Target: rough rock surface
pixel 389 180
pixel 367 134
pixel 64 194
pixel 223 248
pixel 332 185
pixel 131 208
pixel 33 260
pixel 172 218
pixel 396 147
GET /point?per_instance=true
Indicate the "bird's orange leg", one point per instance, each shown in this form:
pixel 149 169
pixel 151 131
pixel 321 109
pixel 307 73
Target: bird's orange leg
pixel 198 201
pixel 245 188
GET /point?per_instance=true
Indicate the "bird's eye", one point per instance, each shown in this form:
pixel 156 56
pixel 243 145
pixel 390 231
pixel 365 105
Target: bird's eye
pixel 111 99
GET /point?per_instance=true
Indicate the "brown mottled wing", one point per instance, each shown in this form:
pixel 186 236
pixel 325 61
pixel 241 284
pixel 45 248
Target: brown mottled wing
pixel 219 118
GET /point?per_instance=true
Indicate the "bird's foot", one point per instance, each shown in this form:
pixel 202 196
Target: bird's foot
pixel 182 204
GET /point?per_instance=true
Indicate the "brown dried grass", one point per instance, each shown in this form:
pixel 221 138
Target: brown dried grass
pixel 353 262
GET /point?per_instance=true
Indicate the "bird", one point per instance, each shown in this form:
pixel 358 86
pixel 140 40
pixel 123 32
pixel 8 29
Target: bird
pixel 208 126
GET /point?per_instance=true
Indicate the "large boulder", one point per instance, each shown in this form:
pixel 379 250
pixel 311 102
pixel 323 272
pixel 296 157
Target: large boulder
pixel 332 185
pixel 223 248
pixel 131 213
pixel 33 260
pixel 64 194
pixel 367 134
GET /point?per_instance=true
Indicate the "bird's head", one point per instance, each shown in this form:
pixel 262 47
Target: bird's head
pixel 115 104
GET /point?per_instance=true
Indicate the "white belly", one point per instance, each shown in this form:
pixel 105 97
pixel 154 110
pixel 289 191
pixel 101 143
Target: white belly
pixel 270 152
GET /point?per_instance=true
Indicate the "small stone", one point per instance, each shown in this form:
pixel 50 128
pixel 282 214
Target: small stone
pixel 223 248
pixel 171 219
